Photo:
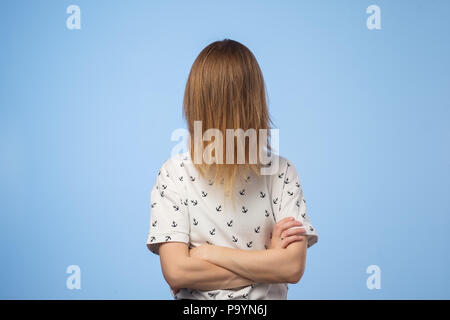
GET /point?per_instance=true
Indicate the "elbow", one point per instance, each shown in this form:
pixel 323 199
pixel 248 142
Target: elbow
pixel 295 274
pixel 174 276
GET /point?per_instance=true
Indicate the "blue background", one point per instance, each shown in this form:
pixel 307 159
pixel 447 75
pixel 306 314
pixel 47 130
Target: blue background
pixel 86 117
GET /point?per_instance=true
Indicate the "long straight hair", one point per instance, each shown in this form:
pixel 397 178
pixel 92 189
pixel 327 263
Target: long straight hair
pixel 226 90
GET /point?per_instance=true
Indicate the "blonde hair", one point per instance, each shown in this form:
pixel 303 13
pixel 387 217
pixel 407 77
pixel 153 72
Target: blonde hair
pixel 226 90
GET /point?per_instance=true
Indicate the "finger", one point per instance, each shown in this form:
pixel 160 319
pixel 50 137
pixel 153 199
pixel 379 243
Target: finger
pixel 293 232
pixel 287 241
pixel 284 220
pixel 290 224
pixel 277 228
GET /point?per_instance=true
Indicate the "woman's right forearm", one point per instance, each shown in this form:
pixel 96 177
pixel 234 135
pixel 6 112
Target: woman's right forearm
pixel 200 274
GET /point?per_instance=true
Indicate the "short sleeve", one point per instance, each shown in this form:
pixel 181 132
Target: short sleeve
pixel 289 200
pixel 169 220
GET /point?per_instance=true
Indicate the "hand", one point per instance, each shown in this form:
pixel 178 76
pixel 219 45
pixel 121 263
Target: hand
pixel 200 252
pixel 282 237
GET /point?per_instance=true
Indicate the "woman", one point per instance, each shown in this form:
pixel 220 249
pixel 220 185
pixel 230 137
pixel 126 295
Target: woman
pixel 226 230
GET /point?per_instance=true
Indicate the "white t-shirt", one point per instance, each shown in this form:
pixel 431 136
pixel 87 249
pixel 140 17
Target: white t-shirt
pixel 187 208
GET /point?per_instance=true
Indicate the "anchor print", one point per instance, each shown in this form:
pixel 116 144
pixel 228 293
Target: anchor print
pixel 245 296
pixel 230 295
pixel 292 191
pixel 212 294
pixel 159 172
pixel 181 164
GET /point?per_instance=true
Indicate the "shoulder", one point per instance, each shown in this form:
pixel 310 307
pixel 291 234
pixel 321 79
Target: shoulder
pixel 283 172
pixel 280 165
pixel 174 165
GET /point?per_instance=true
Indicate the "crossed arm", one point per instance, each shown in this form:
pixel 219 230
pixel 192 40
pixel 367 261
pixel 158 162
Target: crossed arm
pixel 210 267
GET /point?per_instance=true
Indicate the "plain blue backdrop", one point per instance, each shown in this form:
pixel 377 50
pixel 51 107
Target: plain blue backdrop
pixel 86 117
